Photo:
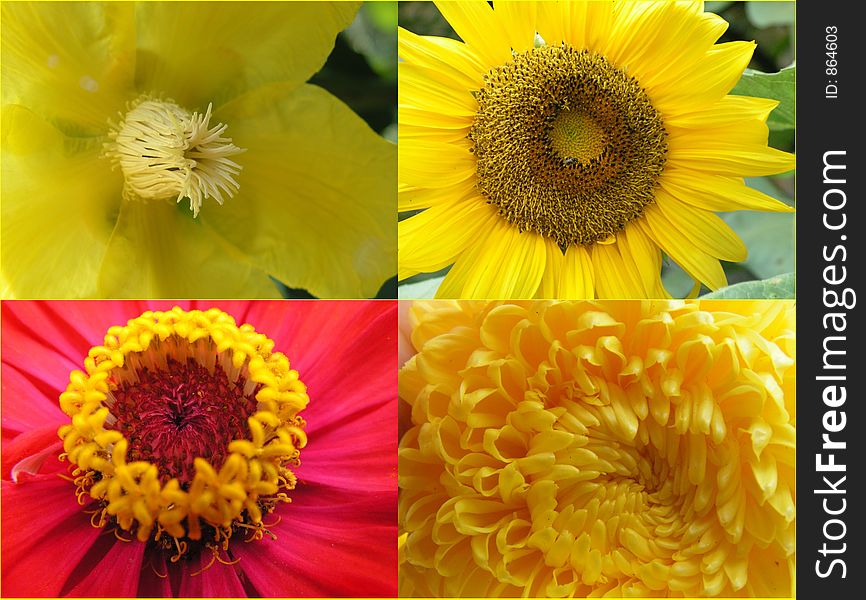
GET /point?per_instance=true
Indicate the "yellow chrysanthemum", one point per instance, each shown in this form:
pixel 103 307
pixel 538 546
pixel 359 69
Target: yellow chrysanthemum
pixel 162 149
pixel 563 146
pixel 559 449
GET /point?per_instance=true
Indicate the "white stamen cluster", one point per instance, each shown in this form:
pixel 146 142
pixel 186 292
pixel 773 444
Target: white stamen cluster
pixel 165 152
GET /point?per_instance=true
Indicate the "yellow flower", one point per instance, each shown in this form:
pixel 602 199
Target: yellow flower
pixel 563 146
pixel 162 149
pixel 591 448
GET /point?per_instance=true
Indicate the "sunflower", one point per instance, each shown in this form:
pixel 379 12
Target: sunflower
pixel 563 147
pixel 592 448
pixel 163 149
pixel 194 459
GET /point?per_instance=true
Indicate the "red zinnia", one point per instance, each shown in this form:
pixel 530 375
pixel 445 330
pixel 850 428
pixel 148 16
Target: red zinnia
pixel 335 538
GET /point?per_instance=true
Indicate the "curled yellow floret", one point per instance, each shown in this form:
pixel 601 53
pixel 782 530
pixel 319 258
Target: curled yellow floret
pixel 574 449
pixel 181 499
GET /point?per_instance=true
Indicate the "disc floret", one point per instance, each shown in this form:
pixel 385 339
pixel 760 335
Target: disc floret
pixel 180 501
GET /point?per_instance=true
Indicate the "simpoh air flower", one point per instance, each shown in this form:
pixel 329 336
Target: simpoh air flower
pixel 165 149
pixel 574 449
pixel 563 146
pixel 180 462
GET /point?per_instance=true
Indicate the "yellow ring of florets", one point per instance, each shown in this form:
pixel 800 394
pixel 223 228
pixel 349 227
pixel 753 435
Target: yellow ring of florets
pixel 254 475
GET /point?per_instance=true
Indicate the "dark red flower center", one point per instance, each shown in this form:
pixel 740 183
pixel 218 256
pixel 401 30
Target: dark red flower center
pixel 172 416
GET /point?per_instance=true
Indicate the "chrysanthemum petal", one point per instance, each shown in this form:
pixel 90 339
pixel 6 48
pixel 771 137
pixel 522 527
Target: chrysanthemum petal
pixel 716 192
pixel 434 238
pixel 578 277
pixel 158 250
pixel 59 206
pixel 73 63
pixel 706 231
pixel 700 265
pixel 317 192
pixel 198 55
pixel 479 28
pixel 64 532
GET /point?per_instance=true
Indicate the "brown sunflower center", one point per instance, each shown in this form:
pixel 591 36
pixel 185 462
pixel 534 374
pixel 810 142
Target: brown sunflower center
pixel 566 145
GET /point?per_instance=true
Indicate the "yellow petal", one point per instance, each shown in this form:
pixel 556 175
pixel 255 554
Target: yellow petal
pixel 317 197
pixel 698 264
pixel 727 111
pixel 158 250
pixel 510 264
pixel 432 164
pixel 658 42
pixel 614 276
pixel 707 82
pixel 707 231
pixel 200 52
pixel 580 24
pixel 553 265
pixel 435 238
pixel 443 54
pixel 646 256
pixel 73 63
pixel 716 192
pixel 577 280
pixel 479 28
pixel 60 201
pixel 518 20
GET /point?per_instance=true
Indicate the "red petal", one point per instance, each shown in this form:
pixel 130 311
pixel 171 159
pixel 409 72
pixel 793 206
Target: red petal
pixel 114 572
pixel 218 580
pixel 32 452
pixel 28 402
pixel 329 544
pixel 44 535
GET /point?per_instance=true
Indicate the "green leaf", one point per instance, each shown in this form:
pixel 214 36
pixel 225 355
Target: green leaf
pixel 778 86
pixel 781 286
pixel 419 289
pixel 769 238
pixel 373 34
pixel 769 14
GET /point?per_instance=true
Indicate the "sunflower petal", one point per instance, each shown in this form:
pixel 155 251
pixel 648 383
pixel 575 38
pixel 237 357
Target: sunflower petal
pixel 479 28
pixel 707 231
pixel 445 55
pixel 697 263
pixel 717 193
pixel 511 264
pixel 434 238
pixel 578 275
pixel 317 192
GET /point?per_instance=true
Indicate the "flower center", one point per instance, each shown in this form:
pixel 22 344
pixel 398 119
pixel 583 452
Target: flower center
pixel 167 153
pixel 183 429
pixel 566 145
pixel 180 413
